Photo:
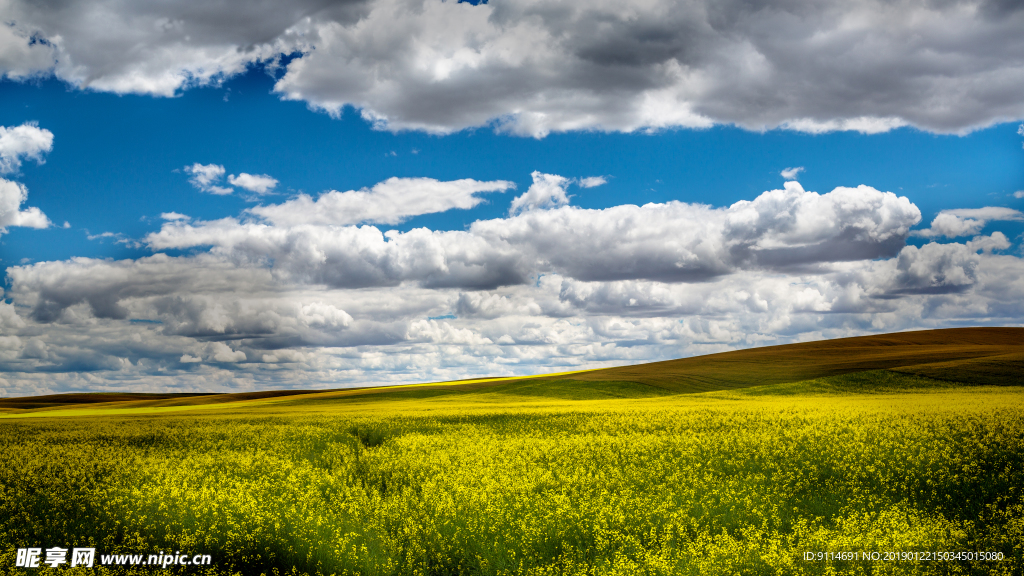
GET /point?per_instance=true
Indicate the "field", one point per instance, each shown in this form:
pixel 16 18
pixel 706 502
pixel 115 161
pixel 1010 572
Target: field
pixel 737 463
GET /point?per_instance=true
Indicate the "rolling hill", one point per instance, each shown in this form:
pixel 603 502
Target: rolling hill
pixel 971 356
pixel 968 355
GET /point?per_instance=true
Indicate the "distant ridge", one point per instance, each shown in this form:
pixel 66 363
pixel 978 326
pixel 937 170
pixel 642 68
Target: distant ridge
pixel 970 355
pixel 152 399
pixel 980 356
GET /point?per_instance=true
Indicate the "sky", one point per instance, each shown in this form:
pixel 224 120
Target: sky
pixel 226 196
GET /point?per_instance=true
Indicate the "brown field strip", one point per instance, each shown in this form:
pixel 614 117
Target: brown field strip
pixel 993 356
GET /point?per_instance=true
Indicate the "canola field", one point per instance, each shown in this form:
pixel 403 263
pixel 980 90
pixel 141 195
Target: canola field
pixel 535 481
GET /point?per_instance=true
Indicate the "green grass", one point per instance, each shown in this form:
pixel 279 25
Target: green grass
pixel 868 382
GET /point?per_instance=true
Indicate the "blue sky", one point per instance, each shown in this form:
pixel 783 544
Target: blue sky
pixel 117 159
pixel 428 217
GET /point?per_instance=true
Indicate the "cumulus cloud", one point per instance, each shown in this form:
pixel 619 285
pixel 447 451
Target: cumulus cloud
pixel 676 241
pixel 791 173
pixel 549 67
pixel 12 196
pixel 547 191
pixel 206 176
pixel 671 242
pixel 390 202
pixel 256 183
pixel 353 257
pixel 324 301
pixel 221 352
pixel 305 336
pixel 142 48
pixel 935 268
pixel 17 144
pixel 967 221
pixel 1018 194
pixel 532 67
pixel 25 142
pixel 324 315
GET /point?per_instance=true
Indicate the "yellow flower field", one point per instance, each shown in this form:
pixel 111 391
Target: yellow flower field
pixel 495 483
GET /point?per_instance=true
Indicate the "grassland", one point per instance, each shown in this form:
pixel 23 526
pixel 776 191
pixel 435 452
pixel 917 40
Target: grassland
pixel 736 463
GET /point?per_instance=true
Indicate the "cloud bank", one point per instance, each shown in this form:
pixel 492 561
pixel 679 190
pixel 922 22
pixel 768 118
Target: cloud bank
pixel 530 67
pixel 310 293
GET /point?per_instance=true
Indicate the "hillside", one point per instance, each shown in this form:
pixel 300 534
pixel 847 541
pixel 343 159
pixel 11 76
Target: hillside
pixel 968 355
pixel 973 356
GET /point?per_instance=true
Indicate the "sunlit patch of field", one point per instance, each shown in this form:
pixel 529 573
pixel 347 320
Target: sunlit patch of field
pixel 556 475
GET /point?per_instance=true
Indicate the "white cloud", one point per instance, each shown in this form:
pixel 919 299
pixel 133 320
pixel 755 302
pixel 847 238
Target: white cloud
pixel 951 226
pixel 324 315
pixel 173 216
pixel 204 174
pixel 1018 194
pixel 532 67
pixel 353 257
pixel 547 191
pixel 791 173
pixel 285 356
pixel 295 303
pixel 220 352
pixel 967 221
pixel 12 196
pixel 569 65
pixel 205 178
pixel 935 268
pixel 256 183
pixel 141 48
pixel 692 242
pixel 987 213
pixel 390 202
pixel 25 142
pixel 863 124
pixel 592 181
pixel 555 324
pixel 443 332
pixel 673 242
